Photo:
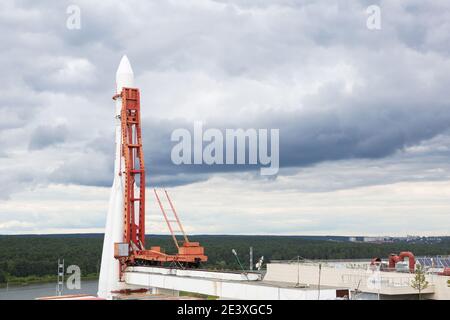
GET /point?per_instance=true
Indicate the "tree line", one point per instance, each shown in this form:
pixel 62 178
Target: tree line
pixel 24 256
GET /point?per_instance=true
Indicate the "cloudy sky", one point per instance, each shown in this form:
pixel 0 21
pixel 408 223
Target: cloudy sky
pixel 364 115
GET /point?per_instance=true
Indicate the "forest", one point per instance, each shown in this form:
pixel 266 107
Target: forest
pixel 35 258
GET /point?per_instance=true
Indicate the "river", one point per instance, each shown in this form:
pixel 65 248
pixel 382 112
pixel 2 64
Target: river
pixel 33 291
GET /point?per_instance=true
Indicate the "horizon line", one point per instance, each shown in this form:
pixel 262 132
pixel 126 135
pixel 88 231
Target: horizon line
pixel 231 234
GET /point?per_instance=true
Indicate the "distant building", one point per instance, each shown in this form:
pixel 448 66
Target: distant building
pixel 373 239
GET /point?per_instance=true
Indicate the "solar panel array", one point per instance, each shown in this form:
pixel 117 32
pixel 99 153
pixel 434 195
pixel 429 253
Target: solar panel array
pixel 436 262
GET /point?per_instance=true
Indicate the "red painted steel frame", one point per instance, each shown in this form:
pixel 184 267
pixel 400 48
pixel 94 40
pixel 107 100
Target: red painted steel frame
pixel 134 231
pixel 134 171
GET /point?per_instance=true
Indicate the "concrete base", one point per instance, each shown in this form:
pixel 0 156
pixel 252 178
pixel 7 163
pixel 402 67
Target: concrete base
pixel 225 289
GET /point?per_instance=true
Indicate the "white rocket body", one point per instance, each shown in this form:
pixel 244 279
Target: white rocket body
pixel 109 270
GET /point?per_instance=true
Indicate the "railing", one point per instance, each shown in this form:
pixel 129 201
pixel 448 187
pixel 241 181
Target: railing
pixel 376 281
pixel 361 264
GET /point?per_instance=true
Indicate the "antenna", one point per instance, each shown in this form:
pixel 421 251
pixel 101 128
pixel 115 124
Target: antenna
pixel 298 272
pixel 251 258
pixel 237 259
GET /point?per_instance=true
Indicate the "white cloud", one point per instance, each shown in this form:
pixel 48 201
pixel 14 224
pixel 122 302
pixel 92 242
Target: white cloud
pixel 363 115
pixel 241 207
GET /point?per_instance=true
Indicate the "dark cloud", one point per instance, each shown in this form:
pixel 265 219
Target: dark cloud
pixel 45 136
pixel 336 90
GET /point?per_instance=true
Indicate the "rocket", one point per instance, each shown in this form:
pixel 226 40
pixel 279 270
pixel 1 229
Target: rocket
pixel 124 240
pixel 109 270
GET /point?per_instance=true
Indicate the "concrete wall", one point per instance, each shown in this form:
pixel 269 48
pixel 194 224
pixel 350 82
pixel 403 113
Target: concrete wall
pixel 442 290
pixel 226 289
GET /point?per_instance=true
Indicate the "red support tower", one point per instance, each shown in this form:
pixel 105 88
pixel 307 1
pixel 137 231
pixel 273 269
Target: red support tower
pixel 132 250
pixel 134 202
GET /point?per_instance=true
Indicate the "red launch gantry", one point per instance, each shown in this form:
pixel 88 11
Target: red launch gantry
pixel 132 250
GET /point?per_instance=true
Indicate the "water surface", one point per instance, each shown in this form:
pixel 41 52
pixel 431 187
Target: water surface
pixel 33 291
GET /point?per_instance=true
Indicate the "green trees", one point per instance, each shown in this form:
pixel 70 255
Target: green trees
pixel 23 256
pixel 419 282
pixel 2 276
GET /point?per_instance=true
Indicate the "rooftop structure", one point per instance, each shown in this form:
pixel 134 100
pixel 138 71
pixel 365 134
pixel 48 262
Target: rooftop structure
pixel 360 277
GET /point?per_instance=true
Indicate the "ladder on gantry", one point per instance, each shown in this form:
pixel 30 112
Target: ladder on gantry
pixel 170 221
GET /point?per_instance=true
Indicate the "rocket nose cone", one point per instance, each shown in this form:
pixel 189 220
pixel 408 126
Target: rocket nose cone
pixel 124 74
pixel 124 66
